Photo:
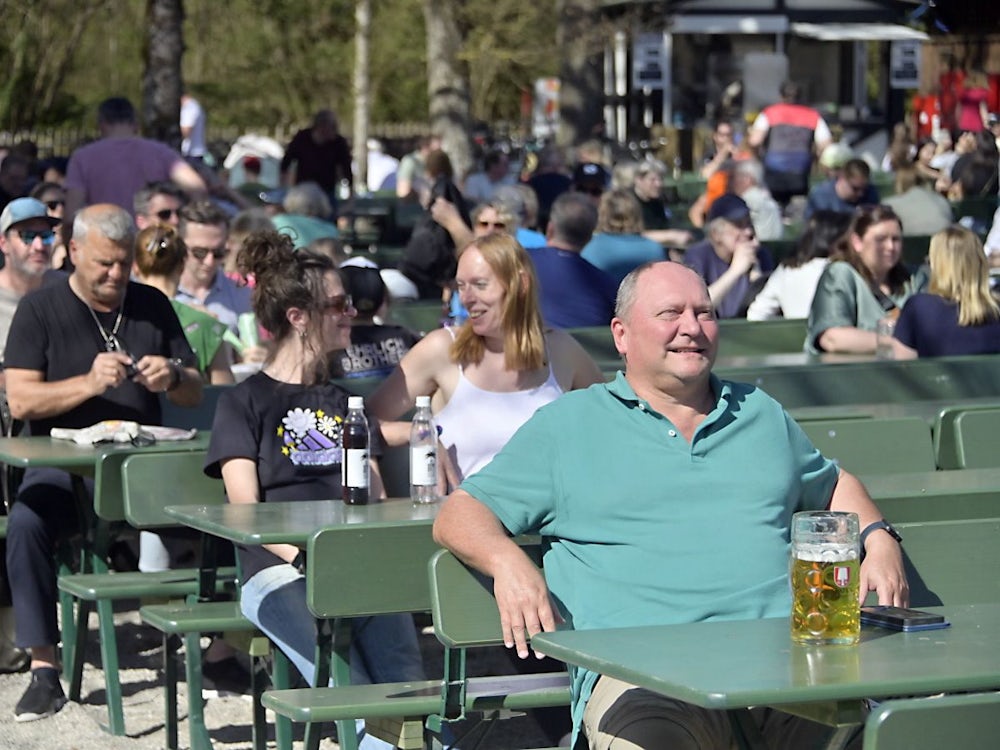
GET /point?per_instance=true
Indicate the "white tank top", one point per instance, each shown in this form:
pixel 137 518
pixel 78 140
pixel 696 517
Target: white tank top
pixel 475 423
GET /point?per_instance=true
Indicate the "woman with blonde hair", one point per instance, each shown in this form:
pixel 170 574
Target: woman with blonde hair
pixel 618 245
pixel 487 377
pixel 958 314
pixel 159 259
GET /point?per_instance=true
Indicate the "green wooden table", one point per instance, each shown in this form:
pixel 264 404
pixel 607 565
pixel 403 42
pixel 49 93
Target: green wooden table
pixel 936 495
pixel 295 522
pixel 730 665
pixel 97 518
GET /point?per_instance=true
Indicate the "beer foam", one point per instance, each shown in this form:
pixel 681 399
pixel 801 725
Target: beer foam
pixel 825 553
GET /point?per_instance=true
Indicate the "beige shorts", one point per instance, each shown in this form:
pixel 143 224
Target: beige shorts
pixel 620 716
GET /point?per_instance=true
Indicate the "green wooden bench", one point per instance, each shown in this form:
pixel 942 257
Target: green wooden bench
pixel 874 446
pixel 421 316
pixel 965 437
pixel 915 248
pixel 739 337
pixel 936 495
pixel 99 590
pixel 199 417
pixel 465 616
pixel 887 381
pixel 952 562
pixel 969 722
pixel 145 477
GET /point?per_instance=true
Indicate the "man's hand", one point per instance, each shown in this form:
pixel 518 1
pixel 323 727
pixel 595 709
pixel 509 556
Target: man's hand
pixel 882 571
pixel 155 373
pixel 109 370
pixel 523 600
pixel 745 256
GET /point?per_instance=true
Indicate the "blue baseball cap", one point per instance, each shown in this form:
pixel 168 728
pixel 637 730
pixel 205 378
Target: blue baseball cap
pixel 22 209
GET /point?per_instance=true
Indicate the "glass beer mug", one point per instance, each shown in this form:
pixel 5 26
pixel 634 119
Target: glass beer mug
pixel 825 578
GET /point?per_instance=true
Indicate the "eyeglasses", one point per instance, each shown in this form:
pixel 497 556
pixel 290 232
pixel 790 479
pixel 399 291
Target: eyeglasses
pixel 492 224
pixel 339 304
pixel 53 205
pixel 164 214
pixel 200 253
pixel 593 191
pixel 28 235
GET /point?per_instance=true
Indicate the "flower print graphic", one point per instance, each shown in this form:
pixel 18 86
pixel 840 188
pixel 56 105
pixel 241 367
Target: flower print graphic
pixel 311 438
pixel 329 426
pixel 299 421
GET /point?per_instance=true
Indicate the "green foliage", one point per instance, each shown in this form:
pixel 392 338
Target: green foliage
pixel 263 63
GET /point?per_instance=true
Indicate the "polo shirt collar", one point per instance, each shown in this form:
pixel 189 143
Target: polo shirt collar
pixel 621 389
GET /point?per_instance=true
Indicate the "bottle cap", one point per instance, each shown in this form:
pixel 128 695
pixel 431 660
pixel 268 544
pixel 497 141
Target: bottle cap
pixel 423 402
pixel 355 402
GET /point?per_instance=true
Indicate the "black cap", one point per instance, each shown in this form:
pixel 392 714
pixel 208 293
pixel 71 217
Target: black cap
pixel 729 207
pixel 366 288
pixel 591 175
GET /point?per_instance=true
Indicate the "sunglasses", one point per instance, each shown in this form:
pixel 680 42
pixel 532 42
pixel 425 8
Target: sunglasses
pixel 339 304
pixel 492 224
pixel 592 191
pixel 164 214
pixel 28 235
pixel 157 243
pixel 53 205
pixel 200 253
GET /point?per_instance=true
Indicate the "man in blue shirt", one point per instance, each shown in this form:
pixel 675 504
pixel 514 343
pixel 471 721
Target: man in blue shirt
pixel 574 293
pixel 846 191
pixel 663 497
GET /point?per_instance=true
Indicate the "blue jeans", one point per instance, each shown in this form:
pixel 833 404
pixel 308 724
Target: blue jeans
pixel 383 649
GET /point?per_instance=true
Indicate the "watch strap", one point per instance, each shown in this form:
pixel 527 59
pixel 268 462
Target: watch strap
pixel 875 526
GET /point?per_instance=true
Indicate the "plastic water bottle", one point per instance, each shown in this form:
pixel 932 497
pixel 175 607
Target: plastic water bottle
pixel 355 472
pixel 423 454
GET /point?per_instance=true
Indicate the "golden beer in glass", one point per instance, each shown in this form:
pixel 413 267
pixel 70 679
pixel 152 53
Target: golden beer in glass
pixel 824 572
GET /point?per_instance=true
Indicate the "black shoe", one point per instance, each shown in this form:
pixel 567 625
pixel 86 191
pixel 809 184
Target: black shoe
pixel 43 697
pixel 226 676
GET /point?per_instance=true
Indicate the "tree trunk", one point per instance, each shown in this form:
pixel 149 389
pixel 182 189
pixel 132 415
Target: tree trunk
pixel 161 83
pixel 581 91
pixel 448 84
pixel 362 104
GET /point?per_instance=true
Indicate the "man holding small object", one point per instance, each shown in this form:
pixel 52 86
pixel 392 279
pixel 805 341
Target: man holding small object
pixel 664 496
pixel 94 346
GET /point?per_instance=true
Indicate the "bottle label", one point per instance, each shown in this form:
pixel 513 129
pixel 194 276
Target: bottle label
pixel 355 468
pixel 423 465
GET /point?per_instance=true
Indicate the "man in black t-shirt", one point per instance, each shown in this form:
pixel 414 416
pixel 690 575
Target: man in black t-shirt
pixel 93 346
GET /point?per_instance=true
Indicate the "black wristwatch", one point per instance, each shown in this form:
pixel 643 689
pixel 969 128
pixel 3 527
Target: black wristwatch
pixel 176 373
pixel 883 524
pixel 299 563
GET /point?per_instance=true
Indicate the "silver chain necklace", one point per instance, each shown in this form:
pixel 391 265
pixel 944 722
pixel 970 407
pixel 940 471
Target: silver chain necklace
pixel 111 342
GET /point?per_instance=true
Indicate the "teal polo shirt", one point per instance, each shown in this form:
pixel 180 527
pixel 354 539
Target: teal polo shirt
pixel 641 527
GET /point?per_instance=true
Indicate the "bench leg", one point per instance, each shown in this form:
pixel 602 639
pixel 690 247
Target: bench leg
pixel 282 679
pixel 171 644
pixel 109 661
pixel 340 660
pixel 196 705
pixel 74 664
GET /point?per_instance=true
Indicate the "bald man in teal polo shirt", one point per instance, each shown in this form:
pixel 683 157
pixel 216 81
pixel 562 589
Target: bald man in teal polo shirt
pixel 664 496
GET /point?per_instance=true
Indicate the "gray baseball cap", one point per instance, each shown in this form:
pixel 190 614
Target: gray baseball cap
pixel 22 209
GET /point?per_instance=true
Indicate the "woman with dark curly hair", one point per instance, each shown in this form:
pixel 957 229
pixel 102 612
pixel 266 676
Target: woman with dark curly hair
pixel 277 438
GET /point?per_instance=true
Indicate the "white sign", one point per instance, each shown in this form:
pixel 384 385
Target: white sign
pixel 904 64
pixel 650 63
pixel 545 108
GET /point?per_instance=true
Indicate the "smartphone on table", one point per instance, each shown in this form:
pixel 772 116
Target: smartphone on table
pixel 899 618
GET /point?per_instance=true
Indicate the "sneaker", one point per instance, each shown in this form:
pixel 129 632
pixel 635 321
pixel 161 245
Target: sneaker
pixel 43 697
pixel 225 677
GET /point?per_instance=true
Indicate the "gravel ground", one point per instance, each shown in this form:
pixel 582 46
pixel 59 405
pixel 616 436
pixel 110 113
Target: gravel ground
pixel 78 726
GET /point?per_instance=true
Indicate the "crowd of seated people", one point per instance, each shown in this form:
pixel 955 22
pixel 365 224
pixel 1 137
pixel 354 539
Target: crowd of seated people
pixel 271 286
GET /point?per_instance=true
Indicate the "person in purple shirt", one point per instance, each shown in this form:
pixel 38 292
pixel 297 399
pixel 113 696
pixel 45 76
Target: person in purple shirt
pixel 958 314
pixel 574 293
pixel 729 259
